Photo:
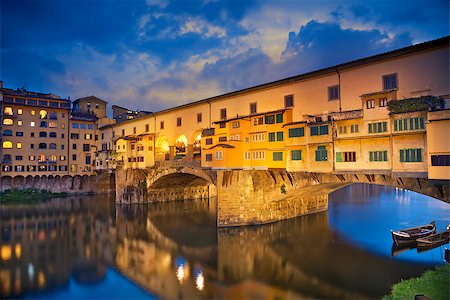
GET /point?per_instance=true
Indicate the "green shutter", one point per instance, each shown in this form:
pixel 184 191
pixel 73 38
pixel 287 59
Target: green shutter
pixel 370 155
pixel 323 129
pixel 271 136
pixel 422 123
pixel 277 156
pixel 296 154
pixel 405 124
pixel 419 155
pixel 370 128
pixel 395 125
pixel 280 136
pixel 338 156
pixel 314 130
pixel 385 156
pixel 279 118
pixel 402 155
pixel 266 119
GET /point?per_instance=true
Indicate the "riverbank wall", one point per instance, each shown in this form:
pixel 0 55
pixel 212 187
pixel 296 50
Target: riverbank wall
pixel 101 183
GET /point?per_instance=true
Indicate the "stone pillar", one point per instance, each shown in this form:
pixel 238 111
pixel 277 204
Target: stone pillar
pixel 171 152
pixel 190 152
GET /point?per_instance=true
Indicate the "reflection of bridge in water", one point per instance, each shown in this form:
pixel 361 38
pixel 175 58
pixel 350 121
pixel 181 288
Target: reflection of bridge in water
pixel 175 251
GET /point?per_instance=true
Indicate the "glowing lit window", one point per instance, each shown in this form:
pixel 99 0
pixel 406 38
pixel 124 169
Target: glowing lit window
pixel 19 123
pixel 52 124
pixel 52 158
pixel 42 158
pixel 43 114
pixel 33 112
pixel 8 111
pixel 19 111
pixel 32 124
pixel 8 122
pixel 19 145
pixel 7 145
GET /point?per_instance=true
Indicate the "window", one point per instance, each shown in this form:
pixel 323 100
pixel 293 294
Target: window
pixel 222 125
pixel 345 156
pixel 7 133
pixel 222 138
pixel 179 121
pixel 296 154
pixel 390 82
pixel 147 129
pixel 253 108
pixel 62 158
pixel 19 123
pixel 342 129
pixel 19 100
pixel 43 124
pixel 411 155
pixel 82 126
pixel 415 123
pixel 208 157
pixel 223 113
pixel 31 157
pixel 7 121
pixel 74 157
pixel 235 124
pixel 354 128
pixel 258 121
pixel 7 145
pixel 63 115
pixel 31 134
pixel 62 168
pixel 74 136
pixel 288 101
pixel 73 168
pixel 31 146
pixel 134 130
pixel 123 132
pixel 42 158
pixel 42 168
pixel 321 153
pixel 19 157
pixel 19 145
pixel 52 134
pixel 19 168
pixel 258 137
pixel 378 156
pixel 277 156
pixel 259 155
pixel 370 104
pixel 42 114
pixel 247 156
pixel 269 119
pixel 319 130
pixel 161 125
pixel 90 126
pixel 271 136
pixel 52 158
pixel 53 115
pixel 8 111
pixel 296 132
pixel 218 155
pixel 378 127
pixel 62 147
pixel 32 123
pixel 333 93
pixel 42 146
pixel 440 160
pixel 33 112
pixel 208 141
pixel 88 136
pixel 75 125
pixel 279 118
pixel 199 117
pixel 383 102
pixel 19 111
pixel 88 159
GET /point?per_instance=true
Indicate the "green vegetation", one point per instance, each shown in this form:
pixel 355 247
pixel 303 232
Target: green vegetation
pixel 414 104
pixel 434 284
pixel 27 196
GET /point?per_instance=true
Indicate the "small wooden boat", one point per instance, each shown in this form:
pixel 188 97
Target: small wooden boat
pixel 434 240
pixel 410 235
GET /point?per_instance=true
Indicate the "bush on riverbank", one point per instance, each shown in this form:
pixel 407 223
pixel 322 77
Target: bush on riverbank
pixel 27 196
pixel 434 284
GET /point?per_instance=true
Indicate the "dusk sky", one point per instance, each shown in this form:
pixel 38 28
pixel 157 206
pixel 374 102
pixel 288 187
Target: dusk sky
pixel 154 54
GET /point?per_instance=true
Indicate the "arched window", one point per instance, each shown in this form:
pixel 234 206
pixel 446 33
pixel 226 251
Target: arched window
pixel 42 146
pixel 52 134
pixel 7 145
pixel 8 122
pixel 43 124
pixel 52 146
pixel 8 111
pixel 52 158
pixel 43 114
pixel 41 158
pixel 43 134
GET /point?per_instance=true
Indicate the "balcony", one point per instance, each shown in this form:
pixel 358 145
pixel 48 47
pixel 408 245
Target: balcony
pixel 347 115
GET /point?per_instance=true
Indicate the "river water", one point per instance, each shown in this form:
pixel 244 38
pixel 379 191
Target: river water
pixel 87 247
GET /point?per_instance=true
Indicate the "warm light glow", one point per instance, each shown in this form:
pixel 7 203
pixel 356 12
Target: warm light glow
pixel 8 122
pixel 41 279
pixel 200 281
pixel 6 252
pixel 7 145
pixel 43 114
pixel 162 144
pixel 181 141
pixel 18 251
pixel 182 271
pixel 8 111
pixel 180 274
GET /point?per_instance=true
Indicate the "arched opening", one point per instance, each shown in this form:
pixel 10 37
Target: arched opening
pixel 196 145
pixel 162 148
pixel 181 144
pixel 179 180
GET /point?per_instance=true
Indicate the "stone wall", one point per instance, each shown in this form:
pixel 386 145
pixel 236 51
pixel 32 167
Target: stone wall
pixel 94 184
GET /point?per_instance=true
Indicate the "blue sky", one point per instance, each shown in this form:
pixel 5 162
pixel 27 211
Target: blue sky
pixel 155 54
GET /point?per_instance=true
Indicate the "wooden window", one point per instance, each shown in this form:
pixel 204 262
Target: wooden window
pixel 289 101
pixel 253 108
pixel 223 113
pixel 296 132
pixel 333 93
pixel 199 117
pixel 296 154
pixel 178 121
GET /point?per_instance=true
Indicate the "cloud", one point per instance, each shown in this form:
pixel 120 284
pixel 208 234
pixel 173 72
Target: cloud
pixel 158 3
pixel 201 27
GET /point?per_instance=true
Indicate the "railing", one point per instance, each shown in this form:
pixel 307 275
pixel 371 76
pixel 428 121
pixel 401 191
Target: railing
pixel 178 163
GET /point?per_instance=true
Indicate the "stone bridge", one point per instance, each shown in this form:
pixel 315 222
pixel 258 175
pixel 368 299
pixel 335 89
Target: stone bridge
pixel 247 197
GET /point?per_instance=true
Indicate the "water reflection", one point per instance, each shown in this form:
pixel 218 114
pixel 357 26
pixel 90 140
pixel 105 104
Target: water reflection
pixel 174 250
